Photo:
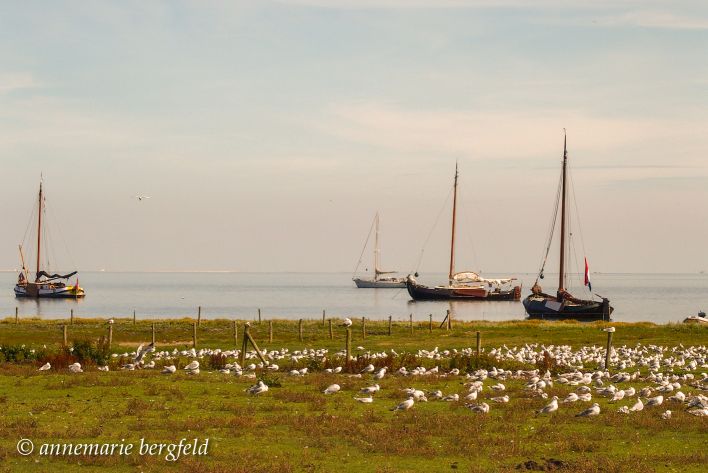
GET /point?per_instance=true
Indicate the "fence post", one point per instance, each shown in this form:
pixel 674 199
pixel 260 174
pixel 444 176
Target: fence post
pixel 259 316
pixel 390 324
pixel 479 346
pixel 609 349
pixel 411 322
pixel 199 316
pixel 348 347
pixel 72 317
pixel 299 329
pixel 133 317
pixel 17 316
pixel 235 333
pixel 270 331
pixel 430 329
pixel 363 328
pixel 66 335
pixel 194 335
pixel 153 333
pixel 247 336
pixel 331 333
pixel 449 320
pixel 323 317
pixel 244 345
pixel 110 335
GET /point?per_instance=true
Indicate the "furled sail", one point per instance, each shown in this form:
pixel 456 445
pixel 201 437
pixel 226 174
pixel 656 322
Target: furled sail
pixel 55 276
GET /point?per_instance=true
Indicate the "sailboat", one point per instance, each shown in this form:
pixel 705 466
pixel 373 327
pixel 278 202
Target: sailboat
pixel 44 284
pixel 563 305
pixel 465 285
pixel 378 281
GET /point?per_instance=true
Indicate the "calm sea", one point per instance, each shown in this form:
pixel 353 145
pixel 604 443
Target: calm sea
pixel 659 298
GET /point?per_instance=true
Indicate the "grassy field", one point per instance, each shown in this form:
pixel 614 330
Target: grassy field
pixel 294 427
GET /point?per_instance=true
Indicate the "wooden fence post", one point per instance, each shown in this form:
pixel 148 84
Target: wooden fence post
pixel 323 317
pixel 348 347
pixel 133 317
pixel 194 335
pixel 479 346
pixel 390 325
pixel 270 331
pixel 153 333
pixel 17 316
pixel 430 329
pixel 363 328
pixel 331 332
pixel 235 333
pixel 199 316
pixel 259 316
pixel 110 335
pixel 411 322
pixel 299 329
pixel 66 336
pixel 247 336
pixel 72 317
pixel 244 345
pixel 449 320
pixel 609 350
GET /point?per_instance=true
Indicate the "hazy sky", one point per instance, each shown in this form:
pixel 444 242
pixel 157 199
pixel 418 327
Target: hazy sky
pixel 269 133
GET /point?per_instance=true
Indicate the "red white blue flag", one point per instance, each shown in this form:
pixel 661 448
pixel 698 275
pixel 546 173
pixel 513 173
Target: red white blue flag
pixel 587 275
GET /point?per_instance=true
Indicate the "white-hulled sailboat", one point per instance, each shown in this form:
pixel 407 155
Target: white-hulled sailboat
pixel 377 281
pixel 44 284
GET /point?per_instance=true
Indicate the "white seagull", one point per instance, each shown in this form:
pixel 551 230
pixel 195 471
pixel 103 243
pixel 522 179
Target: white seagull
pixel 76 368
pixel 366 400
pixel 551 407
pixel 169 369
pixel 45 367
pixel 593 410
pixel 346 323
pixel 332 389
pixel 405 405
pixel 259 387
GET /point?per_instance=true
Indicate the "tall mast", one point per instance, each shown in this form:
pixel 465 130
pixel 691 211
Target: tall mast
pixel 376 249
pixel 39 231
pixel 561 276
pixel 454 215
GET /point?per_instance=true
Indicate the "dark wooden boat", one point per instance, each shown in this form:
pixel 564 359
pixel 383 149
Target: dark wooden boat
pixel 563 305
pixel 45 285
pixel 465 285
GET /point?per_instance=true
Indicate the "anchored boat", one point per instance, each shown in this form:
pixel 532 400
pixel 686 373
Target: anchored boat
pixel 44 284
pixel 377 282
pixel 465 285
pixel 564 305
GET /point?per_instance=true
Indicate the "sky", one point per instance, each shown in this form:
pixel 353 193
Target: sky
pixel 269 133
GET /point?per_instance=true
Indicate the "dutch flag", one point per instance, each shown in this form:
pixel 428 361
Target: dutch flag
pixel 587 275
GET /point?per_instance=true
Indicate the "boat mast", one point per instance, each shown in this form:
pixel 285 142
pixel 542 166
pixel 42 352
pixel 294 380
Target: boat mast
pixel 39 231
pixel 452 242
pixel 376 249
pixel 561 276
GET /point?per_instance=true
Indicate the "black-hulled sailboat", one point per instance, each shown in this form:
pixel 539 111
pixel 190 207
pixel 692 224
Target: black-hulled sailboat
pixel 563 305
pixel 465 285
pixel 44 284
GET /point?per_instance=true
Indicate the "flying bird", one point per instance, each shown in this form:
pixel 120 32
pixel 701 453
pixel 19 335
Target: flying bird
pixel 141 197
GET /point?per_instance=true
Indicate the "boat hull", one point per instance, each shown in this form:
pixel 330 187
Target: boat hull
pixel 379 284
pixel 49 291
pixel 549 308
pixel 419 292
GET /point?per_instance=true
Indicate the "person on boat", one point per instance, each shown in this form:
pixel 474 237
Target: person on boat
pixel 21 278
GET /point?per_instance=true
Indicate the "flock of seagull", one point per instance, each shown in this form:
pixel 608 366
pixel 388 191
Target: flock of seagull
pixel 669 371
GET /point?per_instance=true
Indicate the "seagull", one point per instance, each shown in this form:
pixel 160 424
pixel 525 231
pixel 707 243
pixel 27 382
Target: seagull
pixel 638 406
pixel 347 322
pixel 655 401
pixel 369 369
pixel 110 321
pixel 623 410
pixel 572 397
pixel 482 408
pixel 499 387
pixel 380 374
pixel 666 415
pixel 551 407
pixel 370 389
pixel 504 398
pixel 140 352
pixel 141 197
pixel 452 398
pixel 365 400
pixel 404 406
pixel 76 368
pixel 332 389
pixel 594 410
pixel 104 368
pixel 699 412
pixel 169 369
pixel 45 367
pixel 259 387
pixel 194 365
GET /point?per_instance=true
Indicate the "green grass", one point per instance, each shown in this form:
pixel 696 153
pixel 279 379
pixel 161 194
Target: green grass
pixel 294 427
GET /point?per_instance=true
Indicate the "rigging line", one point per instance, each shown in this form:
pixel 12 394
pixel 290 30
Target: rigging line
pixel 551 228
pixel 437 219
pixel 63 240
pixel 29 224
pixel 577 213
pixel 361 256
